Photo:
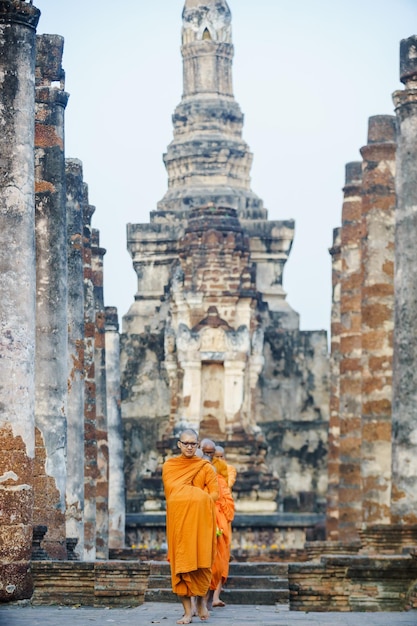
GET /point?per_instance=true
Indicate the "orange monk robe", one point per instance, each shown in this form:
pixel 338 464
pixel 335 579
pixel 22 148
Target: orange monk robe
pixel 225 511
pixel 224 469
pixel 231 475
pixel 191 488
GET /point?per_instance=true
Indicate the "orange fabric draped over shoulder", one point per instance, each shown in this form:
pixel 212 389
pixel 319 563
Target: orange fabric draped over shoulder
pixel 225 511
pixel 191 489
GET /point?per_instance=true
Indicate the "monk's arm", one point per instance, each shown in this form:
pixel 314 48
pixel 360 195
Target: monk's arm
pixel 212 485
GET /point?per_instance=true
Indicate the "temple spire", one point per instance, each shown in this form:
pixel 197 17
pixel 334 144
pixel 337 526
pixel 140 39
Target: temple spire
pixel 207 48
pixel 208 161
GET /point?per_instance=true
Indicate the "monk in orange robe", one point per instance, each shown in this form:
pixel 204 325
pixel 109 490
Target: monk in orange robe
pixel 191 489
pixel 231 471
pixel 225 510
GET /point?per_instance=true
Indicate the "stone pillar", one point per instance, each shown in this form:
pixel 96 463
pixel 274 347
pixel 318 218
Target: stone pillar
pixel 51 296
pixel 378 204
pixel 333 465
pixel 350 502
pixel 191 399
pixel 234 378
pixel 117 503
pixel 90 415
pixel 102 492
pixel 75 408
pixel 404 410
pixel 18 21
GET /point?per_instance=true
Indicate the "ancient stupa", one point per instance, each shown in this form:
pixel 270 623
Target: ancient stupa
pixel 210 340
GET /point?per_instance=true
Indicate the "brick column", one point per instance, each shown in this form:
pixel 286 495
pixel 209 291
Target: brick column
pixel 117 504
pixel 350 361
pixel 378 204
pixel 18 21
pixel 90 422
pixel 404 410
pixel 102 493
pixel 51 296
pixel 333 463
pixel 75 408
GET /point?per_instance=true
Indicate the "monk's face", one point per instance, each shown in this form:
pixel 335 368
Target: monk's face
pixel 219 455
pixel 209 450
pixel 188 445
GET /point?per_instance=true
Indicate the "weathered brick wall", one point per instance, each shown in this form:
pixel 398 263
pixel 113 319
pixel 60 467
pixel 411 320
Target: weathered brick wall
pixel 360 435
pixel 111 583
pixel 377 318
pixel 102 489
pixel 353 583
pixel 349 497
pixel 279 536
pixel 91 472
pixel 292 410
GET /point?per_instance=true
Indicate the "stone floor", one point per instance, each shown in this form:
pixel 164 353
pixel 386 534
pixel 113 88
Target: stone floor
pixel 166 613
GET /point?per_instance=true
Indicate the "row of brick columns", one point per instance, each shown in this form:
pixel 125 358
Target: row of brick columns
pixel 362 327
pixel 54 356
pixel 372 434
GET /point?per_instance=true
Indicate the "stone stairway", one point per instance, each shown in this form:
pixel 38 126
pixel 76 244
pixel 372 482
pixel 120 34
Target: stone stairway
pixel 248 583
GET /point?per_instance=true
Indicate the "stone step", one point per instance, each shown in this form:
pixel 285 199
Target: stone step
pixel 235 568
pixel 229 596
pixel 255 596
pixel 233 582
pixel 259 583
pixel 160 594
pixel 258 569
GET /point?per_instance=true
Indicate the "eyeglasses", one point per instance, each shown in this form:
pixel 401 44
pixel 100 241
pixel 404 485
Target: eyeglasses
pixel 188 444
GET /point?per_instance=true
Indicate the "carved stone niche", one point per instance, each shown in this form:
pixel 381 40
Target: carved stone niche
pixel 213 357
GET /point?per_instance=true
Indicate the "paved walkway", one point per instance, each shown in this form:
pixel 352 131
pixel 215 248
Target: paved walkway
pixel 167 614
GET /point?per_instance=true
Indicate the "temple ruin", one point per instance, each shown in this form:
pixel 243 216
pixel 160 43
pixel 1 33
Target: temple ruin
pixel 324 441
pixel 210 341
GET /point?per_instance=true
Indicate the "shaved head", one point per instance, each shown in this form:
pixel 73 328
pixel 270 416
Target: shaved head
pixel 188 431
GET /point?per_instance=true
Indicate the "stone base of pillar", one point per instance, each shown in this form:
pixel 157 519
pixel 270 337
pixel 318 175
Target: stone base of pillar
pixel 38 553
pixel 71 543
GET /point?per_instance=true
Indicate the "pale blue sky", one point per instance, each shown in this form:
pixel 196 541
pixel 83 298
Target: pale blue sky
pixel 307 75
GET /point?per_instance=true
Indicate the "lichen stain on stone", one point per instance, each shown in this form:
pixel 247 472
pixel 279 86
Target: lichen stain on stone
pixel 46 137
pixel 210 404
pixel 397 494
pixel 43 186
pixel 76 241
pixel 77 362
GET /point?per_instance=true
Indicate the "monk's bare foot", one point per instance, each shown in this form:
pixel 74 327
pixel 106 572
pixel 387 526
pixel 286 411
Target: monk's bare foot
pixel 218 603
pixel 202 610
pixel 185 619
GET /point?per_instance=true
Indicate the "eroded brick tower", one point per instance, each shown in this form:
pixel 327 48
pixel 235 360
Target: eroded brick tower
pixel 210 340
